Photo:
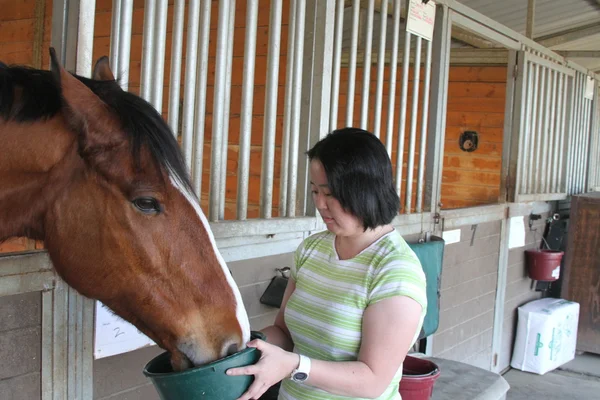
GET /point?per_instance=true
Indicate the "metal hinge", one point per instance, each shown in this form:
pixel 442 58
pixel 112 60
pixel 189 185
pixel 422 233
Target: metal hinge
pixel 436 218
pixel 515 71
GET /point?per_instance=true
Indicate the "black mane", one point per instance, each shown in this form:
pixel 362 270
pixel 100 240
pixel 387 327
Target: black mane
pixel 40 98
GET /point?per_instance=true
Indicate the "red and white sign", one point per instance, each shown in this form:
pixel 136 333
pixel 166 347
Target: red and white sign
pixel 420 18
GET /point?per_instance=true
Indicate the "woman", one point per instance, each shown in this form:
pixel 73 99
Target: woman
pixel 356 299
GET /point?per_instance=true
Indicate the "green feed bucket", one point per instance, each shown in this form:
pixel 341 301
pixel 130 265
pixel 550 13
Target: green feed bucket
pixel 207 381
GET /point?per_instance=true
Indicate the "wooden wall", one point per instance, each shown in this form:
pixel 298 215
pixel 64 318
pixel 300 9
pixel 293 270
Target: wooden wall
pixel 476 98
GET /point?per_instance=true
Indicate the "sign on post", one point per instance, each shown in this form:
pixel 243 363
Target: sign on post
pixel 420 18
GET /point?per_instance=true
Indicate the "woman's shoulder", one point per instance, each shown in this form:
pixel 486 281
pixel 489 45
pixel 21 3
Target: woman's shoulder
pixel 394 247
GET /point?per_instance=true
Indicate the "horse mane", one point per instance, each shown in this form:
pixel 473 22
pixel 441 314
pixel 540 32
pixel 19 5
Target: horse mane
pixel 40 98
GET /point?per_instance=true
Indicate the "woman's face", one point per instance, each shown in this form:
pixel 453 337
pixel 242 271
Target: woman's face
pixel 338 220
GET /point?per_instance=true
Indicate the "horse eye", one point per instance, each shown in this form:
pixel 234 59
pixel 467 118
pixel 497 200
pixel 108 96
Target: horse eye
pixel 147 205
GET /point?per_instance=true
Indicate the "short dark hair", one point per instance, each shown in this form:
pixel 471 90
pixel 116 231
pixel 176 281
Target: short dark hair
pixel 359 174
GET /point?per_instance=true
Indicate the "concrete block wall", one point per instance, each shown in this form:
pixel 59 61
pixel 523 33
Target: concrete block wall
pixel 20 346
pixel 518 288
pixel 469 279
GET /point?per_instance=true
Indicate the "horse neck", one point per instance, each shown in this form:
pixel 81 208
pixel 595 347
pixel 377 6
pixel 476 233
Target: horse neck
pixel 31 152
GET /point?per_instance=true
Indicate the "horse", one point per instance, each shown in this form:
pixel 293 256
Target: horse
pixel 96 173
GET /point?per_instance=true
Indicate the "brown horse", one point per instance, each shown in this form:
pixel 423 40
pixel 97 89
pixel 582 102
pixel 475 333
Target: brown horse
pixel 96 173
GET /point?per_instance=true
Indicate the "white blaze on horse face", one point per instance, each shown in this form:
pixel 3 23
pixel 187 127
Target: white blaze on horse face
pixel 241 314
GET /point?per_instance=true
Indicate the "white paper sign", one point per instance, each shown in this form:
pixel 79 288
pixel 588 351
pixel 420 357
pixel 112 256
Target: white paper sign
pixel 589 88
pixel 420 18
pixel 114 336
pixel 516 232
pixel 452 236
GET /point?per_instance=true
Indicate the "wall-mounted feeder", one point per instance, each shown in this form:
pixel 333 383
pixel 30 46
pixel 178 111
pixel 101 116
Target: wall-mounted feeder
pixel 468 141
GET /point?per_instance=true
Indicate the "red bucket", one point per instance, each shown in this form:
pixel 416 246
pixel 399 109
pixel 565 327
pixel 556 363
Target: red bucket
pixel 544 265
pixel 418 377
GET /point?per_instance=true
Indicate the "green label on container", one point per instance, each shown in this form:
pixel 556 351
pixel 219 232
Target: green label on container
pixel 538 344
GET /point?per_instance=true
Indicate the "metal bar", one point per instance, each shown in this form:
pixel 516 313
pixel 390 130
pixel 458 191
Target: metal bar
pixel 59 336
pixel 352 66
pixel 58 38
pixel 85 38
pixel 380 68
pixel 545 134
pixel 71 342
pixel 529 188
pixel 247 108
pixel 218 111
pixel 525 118
pixel 559 132
pixel 47 367
pixel 268 151
pixel 485 31
pixel 539 133
pixel 337 64
pixel 115 32
pixel 366 82
pixel 225 132
pixel 147 72
pixel 189 89
pixel 577 126
pixel 292 180
pixel 595 146
pixel 413 125
pixel 498 324
pixel 542 197
pixel 87 347
pixel 158 69
pixel 200 113
pixel 530 19
pixel 124 43
pixel 437 114
pixel 424 116
pixel 176 58
pixel 316 83
pixel 393 66
pixel 585 144
pixel 569 148
pixel 512 146
pixel 258 226
pixel 287 112
pixel 551 64
pixel 553 138
pixel 403 106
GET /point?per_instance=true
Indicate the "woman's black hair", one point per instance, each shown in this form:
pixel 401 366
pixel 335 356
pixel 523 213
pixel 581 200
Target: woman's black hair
pixel 359 174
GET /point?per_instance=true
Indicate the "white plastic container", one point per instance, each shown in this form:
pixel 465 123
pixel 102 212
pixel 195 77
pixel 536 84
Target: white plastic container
pixel 546 335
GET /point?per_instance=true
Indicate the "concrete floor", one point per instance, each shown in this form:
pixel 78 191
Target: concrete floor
pixel 577 380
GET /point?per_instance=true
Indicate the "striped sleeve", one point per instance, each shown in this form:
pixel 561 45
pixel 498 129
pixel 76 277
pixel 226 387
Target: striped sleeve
pixel 399 278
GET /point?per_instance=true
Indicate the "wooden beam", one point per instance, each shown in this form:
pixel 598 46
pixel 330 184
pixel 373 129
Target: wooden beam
pixel 579 53
pixel 530 19
pixel 568 36
pixel 472 39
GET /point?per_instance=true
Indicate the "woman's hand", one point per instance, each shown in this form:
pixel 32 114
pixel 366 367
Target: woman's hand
pixel 274 365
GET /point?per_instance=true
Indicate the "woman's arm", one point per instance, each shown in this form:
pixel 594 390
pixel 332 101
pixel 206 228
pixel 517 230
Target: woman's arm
pixel 388 329
pixel 278 333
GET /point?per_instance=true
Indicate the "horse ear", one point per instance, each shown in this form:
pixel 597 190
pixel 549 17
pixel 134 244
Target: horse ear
pixel 85 112
pixel 102 70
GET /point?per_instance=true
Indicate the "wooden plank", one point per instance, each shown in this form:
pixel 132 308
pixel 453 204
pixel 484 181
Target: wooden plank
pixel 16 10
pixel 477 74
pixel 471 178
pixel 581 271
pixel 493 135
pixel 480 163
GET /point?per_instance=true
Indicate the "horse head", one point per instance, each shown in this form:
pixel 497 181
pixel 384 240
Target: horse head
pixel 122 224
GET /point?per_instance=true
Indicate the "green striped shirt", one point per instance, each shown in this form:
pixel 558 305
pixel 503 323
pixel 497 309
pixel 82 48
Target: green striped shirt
pixel 324 314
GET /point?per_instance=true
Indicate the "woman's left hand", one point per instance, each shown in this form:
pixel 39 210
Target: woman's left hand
pixel 274 365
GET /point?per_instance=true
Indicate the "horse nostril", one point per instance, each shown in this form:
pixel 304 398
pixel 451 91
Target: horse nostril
pixel 232 349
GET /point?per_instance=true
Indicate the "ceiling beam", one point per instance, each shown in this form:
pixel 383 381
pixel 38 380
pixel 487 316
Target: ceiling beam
pixel 579 53
pixel 568 36
pixel 530 19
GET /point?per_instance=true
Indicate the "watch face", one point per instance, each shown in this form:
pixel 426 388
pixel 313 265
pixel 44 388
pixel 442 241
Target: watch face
pixel 300 376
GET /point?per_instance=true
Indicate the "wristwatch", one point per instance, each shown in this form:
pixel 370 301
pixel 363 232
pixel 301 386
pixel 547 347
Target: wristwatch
pixel 301 373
